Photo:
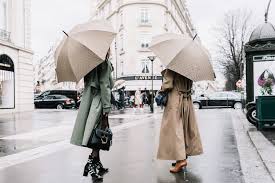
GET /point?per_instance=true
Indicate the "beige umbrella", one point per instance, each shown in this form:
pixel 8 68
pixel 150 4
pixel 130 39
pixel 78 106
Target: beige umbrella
pixel 183 55
pixel 83 49
pixel 119 83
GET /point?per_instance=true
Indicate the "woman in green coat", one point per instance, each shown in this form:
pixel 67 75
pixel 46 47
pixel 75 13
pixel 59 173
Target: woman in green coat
pixel 94 108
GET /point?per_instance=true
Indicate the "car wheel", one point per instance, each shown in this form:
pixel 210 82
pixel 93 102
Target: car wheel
pixel 238 105
pixel 59 106
pixel 196 105
pixel 251 116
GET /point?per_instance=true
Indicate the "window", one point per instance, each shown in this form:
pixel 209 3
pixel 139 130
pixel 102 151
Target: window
pixel 122 67
pixel 145 39
pixel 144 16
pixel 49 97
pixel 7 94
pixel 3 14
pixel 121 18
pixel 121 42
pixel 145 64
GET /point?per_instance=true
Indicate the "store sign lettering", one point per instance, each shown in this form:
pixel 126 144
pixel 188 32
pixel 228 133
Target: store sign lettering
pixel 145 77
pixel 131 78
pixel 264 58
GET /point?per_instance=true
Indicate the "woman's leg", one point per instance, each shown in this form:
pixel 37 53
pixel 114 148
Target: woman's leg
pixel 95 154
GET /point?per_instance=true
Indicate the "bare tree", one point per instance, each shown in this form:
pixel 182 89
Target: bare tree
pixel 233 33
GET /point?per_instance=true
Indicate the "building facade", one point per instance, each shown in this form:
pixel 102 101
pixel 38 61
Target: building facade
pixel 16 67
pixel 136 22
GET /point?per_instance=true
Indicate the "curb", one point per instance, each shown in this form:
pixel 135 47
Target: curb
pixel 264 148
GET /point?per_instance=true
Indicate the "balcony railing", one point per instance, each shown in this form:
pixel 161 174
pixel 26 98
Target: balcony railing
pixel 4 35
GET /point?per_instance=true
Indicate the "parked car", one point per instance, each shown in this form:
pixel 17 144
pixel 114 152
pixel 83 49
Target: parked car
pixel 219 99
pixel 73 94
pixel 54 101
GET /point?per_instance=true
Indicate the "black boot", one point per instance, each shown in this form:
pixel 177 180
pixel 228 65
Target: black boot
pixel 91 167
pixel 100 168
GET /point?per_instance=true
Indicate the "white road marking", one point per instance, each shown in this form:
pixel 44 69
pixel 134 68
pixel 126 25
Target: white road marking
pixel 39 133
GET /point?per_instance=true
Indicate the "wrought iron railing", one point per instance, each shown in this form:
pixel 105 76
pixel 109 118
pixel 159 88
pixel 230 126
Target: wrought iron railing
pixel 4 35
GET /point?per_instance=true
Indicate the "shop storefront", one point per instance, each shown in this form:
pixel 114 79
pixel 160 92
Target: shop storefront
pixel 7 83
pixel 142 82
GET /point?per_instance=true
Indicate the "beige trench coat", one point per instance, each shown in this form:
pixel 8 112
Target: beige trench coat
pixel 179 134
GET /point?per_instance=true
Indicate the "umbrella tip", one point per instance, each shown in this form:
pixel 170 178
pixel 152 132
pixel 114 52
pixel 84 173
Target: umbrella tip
pixel 195 37
pixel 65 33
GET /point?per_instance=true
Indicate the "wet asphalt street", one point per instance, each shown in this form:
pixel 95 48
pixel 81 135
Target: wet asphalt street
pixel 132 156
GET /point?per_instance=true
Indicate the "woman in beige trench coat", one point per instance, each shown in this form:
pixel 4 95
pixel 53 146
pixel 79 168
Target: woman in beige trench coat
pixel 179 134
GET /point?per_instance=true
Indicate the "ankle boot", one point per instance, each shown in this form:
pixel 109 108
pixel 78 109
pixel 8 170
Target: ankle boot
pixel 100 168
pixel 91 168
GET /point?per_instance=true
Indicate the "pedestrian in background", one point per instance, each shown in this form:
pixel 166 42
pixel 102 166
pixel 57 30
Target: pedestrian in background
pixel 94 109
pixel 179 134
pixel 138 99
pixel 121 97
pixel 132 101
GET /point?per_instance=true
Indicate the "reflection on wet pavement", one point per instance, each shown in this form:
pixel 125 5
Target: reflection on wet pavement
pixel 29 121
pixel 40 119
pixel 8 147
pixel 132 158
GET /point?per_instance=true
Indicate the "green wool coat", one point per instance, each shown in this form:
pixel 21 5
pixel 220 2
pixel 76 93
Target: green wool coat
pixel 96 100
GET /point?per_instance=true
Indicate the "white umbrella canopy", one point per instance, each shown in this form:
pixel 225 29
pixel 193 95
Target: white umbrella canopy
pixel 119 84
pixel 183 55
pixel 83 49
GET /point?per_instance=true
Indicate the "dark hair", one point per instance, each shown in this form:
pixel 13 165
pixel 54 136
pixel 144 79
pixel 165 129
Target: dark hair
pixel 107 55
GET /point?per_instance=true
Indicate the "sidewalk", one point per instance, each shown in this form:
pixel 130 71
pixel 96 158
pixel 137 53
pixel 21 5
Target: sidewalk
pixel 261 161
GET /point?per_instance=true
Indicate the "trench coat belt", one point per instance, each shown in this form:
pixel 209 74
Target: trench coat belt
pixel 184 95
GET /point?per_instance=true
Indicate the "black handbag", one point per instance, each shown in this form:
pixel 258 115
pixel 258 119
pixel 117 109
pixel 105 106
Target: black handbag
pixel 162 98
pixel 101 138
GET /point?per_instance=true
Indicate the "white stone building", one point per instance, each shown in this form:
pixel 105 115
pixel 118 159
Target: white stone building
pixel 16 68
pixel 136 22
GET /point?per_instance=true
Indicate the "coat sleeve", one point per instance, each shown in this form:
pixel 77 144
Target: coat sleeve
pixel 168 81
pixel 105 86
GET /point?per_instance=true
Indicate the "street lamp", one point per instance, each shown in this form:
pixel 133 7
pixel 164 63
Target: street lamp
pixel 116 57
pixel 152 58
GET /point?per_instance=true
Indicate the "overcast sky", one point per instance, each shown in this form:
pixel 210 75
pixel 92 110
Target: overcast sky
pixel 50 17
pixel 207 14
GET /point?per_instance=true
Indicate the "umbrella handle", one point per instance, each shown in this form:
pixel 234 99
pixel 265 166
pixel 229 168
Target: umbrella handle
pixel 195 37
